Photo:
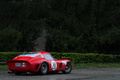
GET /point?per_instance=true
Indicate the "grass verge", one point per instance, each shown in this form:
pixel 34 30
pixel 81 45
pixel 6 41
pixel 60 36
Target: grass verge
pixel 83 65
pixel 97 65
pixel 3 67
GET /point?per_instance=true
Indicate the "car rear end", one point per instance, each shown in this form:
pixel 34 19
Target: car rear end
pixel 27 62
pixel 19 65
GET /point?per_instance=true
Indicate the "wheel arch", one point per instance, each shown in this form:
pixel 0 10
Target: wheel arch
pixel 70 62
pixel 67 70
pixel 41 63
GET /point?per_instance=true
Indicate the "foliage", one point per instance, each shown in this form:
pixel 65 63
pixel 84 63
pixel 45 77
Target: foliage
pixel 90 26
pixel 4 56
pixel 88 57
pixel 24 20
pixel 82 26
pixel 9 36
pixel 74 57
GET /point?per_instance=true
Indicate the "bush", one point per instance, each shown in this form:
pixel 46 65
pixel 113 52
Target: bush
pixel 91 58
pixel 4 56
pixel 56 55
pixel 74 57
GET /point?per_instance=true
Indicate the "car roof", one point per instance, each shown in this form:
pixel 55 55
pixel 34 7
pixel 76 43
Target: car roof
pixel 42 52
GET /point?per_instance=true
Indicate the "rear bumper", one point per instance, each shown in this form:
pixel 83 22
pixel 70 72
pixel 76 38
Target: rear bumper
pixel 12 67
pixel 20 69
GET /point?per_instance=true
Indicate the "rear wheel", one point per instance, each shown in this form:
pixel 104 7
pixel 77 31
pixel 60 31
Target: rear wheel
pixel 68 68
pixel 43 68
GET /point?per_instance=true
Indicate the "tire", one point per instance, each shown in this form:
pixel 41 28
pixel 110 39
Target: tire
pixel 43 68
pixel 18 73
pixel 68 68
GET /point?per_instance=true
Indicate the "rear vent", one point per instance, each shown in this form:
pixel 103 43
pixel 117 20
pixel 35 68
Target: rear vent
pixel 60 65
pixel 37 66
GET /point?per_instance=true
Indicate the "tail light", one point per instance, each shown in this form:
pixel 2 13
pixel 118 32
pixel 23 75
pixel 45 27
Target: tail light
pixel 24 64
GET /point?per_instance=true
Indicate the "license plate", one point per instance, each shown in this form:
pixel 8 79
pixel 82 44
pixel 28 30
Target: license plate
pixel 17 64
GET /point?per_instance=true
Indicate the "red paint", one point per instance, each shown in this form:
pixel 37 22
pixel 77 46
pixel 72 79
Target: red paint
pixel 32 64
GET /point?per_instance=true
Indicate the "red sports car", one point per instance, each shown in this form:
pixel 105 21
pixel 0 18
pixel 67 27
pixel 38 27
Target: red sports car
pixel 39 62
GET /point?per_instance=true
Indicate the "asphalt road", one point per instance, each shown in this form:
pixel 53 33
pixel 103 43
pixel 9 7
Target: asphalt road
pixel 76 74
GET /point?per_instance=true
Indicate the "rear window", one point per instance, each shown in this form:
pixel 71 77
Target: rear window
pixel 30 54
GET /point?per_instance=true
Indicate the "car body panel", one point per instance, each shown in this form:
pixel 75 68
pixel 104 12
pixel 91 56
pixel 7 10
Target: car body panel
pixel 31 62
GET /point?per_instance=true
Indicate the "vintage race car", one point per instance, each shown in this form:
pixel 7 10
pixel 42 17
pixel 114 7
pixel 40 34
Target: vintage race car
pixel 39 62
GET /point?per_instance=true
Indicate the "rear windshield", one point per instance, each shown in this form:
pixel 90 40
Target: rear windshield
pixel 30 54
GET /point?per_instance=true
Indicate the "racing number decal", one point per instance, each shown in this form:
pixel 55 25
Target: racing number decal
pixel 53 65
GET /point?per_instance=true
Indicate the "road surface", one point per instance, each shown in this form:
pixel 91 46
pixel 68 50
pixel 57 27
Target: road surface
pixel 76 74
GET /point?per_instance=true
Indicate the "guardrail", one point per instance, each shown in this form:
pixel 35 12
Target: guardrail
pixel 2 63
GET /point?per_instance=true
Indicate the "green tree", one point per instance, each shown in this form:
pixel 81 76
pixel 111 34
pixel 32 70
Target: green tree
pixel 28 18
pixel 9 39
